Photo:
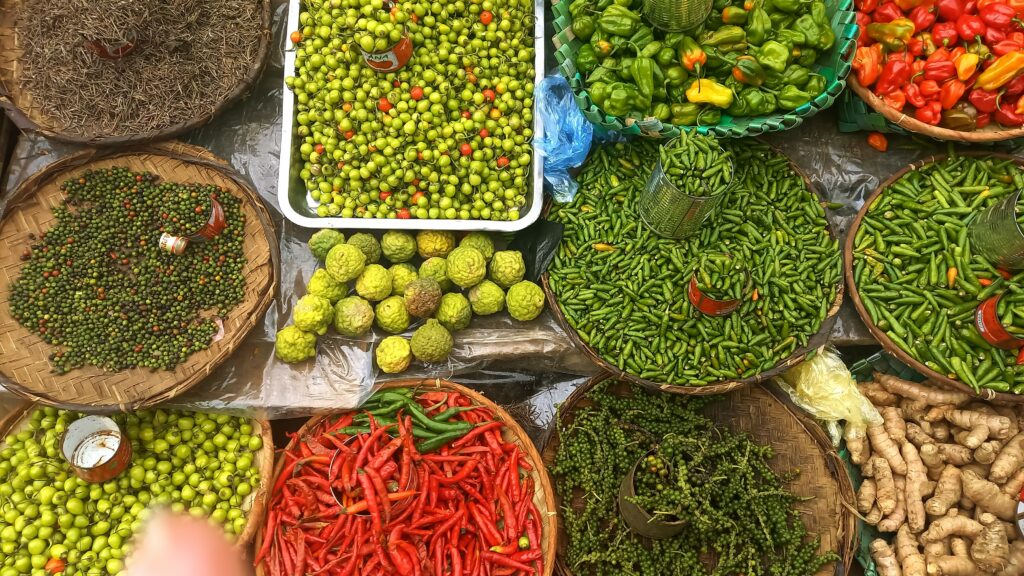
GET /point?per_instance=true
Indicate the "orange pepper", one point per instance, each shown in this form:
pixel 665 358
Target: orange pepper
pixel 867 63
pixel 1020 106
pixel 878 141
pixel 1004 69
pixel 966 64
pixel 951 276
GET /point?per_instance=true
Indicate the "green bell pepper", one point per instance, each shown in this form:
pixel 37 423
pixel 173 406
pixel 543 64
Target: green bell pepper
pixel 739 107
pixel 760 103
pixel 748 70
pixel 665 57
pixel 726 35
pixel 791 37
pixel 806 25
pixel 773 55
pixel 677 95
pixel 721 4
pixel 660 86
pixel 578 7
pixel 759 26
pixel 619 20
pixel 787 6
pixel 806 57
pixel 676 76
pixel 791 98
pixel 604 73
pixel 685 114
pixel 624 98
pixel 642 38
pixel 626 69
pixel 815 85
pixel 583 27
pixel 586 59
pixel 795 75
pixel 781 20
pixel 662 111
pixel 652 49
pixel 642 71
pixel 734 15
pixel 827 37
pixel 599 93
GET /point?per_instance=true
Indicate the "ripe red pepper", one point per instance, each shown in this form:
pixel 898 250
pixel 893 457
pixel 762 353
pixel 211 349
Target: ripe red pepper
pixel 923 17
pixel 985 101
pixel 915 46
pixel 1014 87
pixel 895 100
pixel 981 121
pixel 951 93
pixel 878 141
pixel 970 27
pixel 945 34
pixel 930 113
pixel 862 29
pixel 998 16
pixel 867 63
pixel 939 70
pixel 865 5
pixel 914 96
pixel 971 7
pixel 949 10
pixel 993 36
pixel 1007 116
pixel 1005 47
pixel 887 12
pixel 929 88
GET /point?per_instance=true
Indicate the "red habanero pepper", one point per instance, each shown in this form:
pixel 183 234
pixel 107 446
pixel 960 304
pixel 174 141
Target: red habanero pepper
pixel 939 70
pixel 878 141
pixel 923 17
pixel 949 10
pixel 862 29
pixel 930 113
pixel 945 34
pixel 1005 47
pixel 865 5
pixel 951 93
pixel 986 101
pixel 929 88
pixel 939 54
pixel 887 12
pixel 914 96
pixel 971 7
pixel 970 27
pixel 995 15
pixel 993 36
pixel 1014 87
pixel 982 120
pixel 895 100
pixel 1007 115
pixel 915 46
pixel 895 74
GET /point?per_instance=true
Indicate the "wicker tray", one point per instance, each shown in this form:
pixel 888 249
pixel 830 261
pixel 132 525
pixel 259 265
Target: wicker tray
pixel 883 339
pixel 799 443
pixel 991 133
pixel 256 502
pixel 544 492
pixel 835 65
pixel 25 369
pixel 26 114
pixel 799 355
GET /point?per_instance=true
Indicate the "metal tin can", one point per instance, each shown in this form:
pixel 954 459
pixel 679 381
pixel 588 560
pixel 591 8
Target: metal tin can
pixel 677 15
pixel 996 235
pixel 174 244
pixel 392 59
pixel 96 448
pixel 671 212
pixel 638 520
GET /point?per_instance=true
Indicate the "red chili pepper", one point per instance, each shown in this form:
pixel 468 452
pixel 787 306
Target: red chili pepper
pixel 993 36
pixel 862 29
pixel 928 88
pixel 895 100
pixel 971 7
pixel 983 119
pixel 939 70
pixel 475 432
pixel 1007 116
pixel 949 10
pixel 952 91
pixel 505 561
pixel 945 34
pixel 997 15
pixel 895 74
pixel 1005 47
pixel 1020 357
pixel 970 27
pixel 986 101
pixel 915 46
pixel 914 96
pixel 456 557
pixel 923 17
pixel 887 12
pixel 930 113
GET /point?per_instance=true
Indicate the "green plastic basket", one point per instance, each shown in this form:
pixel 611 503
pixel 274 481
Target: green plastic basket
pixel 834 65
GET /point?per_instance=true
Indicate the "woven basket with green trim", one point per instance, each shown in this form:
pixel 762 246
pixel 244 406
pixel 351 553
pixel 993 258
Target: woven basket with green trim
pixel 834 65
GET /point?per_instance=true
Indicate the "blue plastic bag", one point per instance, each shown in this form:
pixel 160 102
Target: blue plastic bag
pixel 566 136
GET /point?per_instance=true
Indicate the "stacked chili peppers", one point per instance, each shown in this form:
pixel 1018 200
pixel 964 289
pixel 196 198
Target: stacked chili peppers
pixel 953 63
pixel 416 483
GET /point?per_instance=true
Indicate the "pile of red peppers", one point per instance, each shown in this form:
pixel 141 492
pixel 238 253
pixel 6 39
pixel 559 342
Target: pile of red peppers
pixel 951 63
pixel 414 484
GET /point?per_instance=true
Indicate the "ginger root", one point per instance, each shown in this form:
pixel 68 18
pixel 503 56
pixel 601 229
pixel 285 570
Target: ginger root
pixel 928 394
pixel 988 451
pixel 885 558
pixel 878 395
pixel 917 435
pixel 929 454
pixel 874 516
pixel 943 528
pixel 955 454
pixel 988 496
pixel 991 550
pixel 1009 460
pixel 917 476
pixel 908 554
pixel 883 445
pixel 857 444
pixel 1014 485
pixel 947 492
pixel 866 496
pixel 940 431
pixel 894 424
pixel 892 522
pixel 936 548
pixel 951 566
pixel 885 487
pixel 980 424
pixel 1015 566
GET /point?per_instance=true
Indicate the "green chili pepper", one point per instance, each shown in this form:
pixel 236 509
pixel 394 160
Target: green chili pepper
pixel 626 69
pixel 642 38
pixel 815 84
pixel 583 27
pixel 652 49
pixel 786 6
pixel 791 98
pixel 599 93
pixel 619 20
pixel 759 26
pixel 665 57
pixel 796 75
pixel 734 15
pixel 725 35
pixel 748 71
pixel 642 71
pixel 773 55
pixel 676 76
pixel 586 59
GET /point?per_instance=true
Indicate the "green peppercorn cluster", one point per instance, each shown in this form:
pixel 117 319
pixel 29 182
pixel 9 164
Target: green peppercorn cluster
pixel 737 509
pixel 98 287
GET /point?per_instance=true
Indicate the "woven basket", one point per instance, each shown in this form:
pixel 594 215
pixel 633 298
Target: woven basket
pixel 26 368
pixel 544 492
pixel 991 133
pixel 27 115
pixel 799 443
pixel 256 502
pixel 799 355
pixel 881 336
pixel 834 65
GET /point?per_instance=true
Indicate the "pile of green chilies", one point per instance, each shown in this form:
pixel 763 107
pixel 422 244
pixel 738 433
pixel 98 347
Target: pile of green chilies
pixel 622 287
pixel 720 276
pixel 920 281
pixel 697 164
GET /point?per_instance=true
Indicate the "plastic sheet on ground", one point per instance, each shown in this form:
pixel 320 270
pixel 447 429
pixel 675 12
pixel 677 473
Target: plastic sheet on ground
pixel 511 362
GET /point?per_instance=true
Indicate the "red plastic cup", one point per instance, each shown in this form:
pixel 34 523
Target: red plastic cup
pixel 986 320
pixel 392 59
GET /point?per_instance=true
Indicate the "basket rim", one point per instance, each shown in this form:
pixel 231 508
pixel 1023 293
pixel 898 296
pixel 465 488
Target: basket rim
pixel 849 526
pixel 887 344
pixel 27 122
pixel 938 132
pixel 845 45
pixel 188 154
pixel 816 340
pixel 540 471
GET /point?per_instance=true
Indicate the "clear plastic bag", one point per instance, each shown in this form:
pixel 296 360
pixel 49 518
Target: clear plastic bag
pixel 826 389
pixel 565 140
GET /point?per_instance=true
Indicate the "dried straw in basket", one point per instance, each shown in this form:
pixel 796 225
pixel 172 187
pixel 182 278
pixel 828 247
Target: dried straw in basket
pixel 798 442
pixel 191 60
pixel 256 501
pixel 25 368
pixel 991 133
pixel 544 492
